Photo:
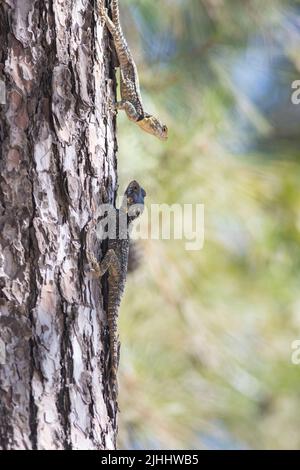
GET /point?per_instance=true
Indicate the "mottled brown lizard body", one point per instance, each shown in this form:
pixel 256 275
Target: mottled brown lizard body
pixel 115 262
pixel 131 101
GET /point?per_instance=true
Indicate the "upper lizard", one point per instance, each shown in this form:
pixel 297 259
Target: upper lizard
pixel 131 100
pixel 115 262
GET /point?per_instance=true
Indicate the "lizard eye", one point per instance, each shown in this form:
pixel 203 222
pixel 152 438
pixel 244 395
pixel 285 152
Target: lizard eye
pixel 165 128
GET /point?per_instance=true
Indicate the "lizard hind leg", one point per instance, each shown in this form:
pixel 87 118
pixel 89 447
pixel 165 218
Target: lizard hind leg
pixel 102 10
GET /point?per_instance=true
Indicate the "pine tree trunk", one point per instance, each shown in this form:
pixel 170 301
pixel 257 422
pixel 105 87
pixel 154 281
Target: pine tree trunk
pixel 57 164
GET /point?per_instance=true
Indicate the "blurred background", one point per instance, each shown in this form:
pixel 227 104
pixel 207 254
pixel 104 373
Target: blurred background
pixel 206 335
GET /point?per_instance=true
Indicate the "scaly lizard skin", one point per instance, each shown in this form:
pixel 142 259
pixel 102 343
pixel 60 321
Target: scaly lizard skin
pixel 130 89
pixel 115 262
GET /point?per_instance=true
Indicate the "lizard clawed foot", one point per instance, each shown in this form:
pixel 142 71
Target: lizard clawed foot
pixel 95 274
pixel 94 265
pixel 112 106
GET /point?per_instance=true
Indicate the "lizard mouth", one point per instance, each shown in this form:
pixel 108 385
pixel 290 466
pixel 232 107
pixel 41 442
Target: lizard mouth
pixel 135 211
pixel 163 134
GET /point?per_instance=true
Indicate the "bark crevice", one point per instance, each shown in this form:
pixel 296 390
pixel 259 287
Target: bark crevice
pixel 63 396
pixel 32 302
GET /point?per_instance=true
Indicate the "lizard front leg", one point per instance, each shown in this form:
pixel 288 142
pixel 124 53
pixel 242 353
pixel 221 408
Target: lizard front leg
pixel 130 110
pixel 126 106
pixel 109 263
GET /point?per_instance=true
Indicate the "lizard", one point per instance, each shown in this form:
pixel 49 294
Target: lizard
pixel 131 100
pixel 115 262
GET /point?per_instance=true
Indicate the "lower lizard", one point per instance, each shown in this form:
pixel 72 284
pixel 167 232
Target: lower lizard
pixel 115 263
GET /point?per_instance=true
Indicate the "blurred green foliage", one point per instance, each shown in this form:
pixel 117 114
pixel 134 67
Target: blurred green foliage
pixel 206 335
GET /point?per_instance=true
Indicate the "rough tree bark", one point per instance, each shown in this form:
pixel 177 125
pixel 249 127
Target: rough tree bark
pixel 57 162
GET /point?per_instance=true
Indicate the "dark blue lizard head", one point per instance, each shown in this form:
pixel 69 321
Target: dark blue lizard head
pixel 135 195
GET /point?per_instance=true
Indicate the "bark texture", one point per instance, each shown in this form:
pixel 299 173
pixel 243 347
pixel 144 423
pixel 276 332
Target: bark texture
pixel 57 163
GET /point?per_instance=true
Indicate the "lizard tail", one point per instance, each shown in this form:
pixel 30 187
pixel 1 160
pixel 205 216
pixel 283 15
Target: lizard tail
pixel 113 24
pixel 114 342
pixel 114 352
pixel 115 12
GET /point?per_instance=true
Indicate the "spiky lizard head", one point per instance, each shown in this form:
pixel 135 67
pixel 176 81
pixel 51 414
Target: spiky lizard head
pixel 134 198
pixel 153 126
